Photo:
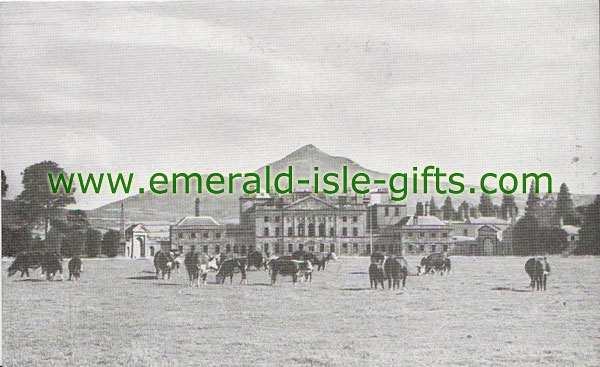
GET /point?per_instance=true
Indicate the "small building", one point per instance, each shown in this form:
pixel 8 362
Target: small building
pixel 423 235
pixel 137 244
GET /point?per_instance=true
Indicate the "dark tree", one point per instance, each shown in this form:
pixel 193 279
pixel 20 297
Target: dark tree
pixel 589 234
pixel 110 243
pixel 433 209
pixel 448 209
pixel 486 206
pixel 37 199
pixel 565 208
pixel 93 243
pixel 509 207
pixel 463 210
pixel 533 203
pixel 527 236
pixel 419 211
pixel 16 240
pixel 4 185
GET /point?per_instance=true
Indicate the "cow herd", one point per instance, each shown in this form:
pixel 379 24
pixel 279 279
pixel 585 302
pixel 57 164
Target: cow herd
pixel 299 266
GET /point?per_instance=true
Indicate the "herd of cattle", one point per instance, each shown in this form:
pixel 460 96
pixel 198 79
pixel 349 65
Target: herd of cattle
pixel 299 265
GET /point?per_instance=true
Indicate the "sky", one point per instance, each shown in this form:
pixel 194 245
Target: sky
pixel 471 87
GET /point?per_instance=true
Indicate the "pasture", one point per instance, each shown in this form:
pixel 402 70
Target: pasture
pixel 481 314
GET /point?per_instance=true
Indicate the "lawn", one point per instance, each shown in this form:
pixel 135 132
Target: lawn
pixel 481 314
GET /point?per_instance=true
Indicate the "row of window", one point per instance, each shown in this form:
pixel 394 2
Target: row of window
pixel 396 211
pixel 311 231
pixel 431 235
pixel 204 235
pixel 421 248
pixel 344 219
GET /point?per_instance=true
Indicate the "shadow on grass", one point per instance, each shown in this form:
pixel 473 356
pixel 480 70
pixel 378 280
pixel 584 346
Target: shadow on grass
pixel 145 277
pixel 260 284
pixel 511 289
pixel 30 280
pixel 168 284
pixel 356 289
pixel 357 272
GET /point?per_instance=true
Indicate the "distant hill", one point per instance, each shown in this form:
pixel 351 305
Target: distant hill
pixel 171 207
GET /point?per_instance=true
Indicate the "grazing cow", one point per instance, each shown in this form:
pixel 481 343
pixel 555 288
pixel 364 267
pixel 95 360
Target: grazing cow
pixel 230 267
pixel 51 265
pixel 321 260
pixel 284 267
pixel 434 263
pixel 538 270
pixel 192 265
pixel 395 269
pixel 177 260
pixel 447 266
pixel 255 258
pixel 376 275
pixel 75 268
pixel 163 263
pixel 25 261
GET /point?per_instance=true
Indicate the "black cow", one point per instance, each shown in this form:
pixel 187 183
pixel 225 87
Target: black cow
pixel 192 265
pixel 434 263
pixel 255 258
pixel 51 265
pixel 394 270
pixel 377 258
pixel 538 271
pixel 163 263
pixel 320 260
pixel 25 261
pixel 376 275
pixel 284 267
pixel 230 267
pixel 75 268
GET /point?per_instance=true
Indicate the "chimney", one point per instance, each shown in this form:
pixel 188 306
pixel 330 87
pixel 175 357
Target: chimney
pixel 197 212
pixel 426 212
pixel 122 225
pixel 416 220
pixel 512 216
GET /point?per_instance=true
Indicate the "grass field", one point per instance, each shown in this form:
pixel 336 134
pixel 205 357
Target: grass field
pixel 481 314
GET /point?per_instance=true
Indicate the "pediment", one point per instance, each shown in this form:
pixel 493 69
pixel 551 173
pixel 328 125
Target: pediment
pixel 310 203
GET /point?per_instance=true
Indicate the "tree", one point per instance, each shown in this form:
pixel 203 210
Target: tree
pixel 16 240
pixel 486 206
pixel 419 211
pixel 565 208
pixel 532 206
pixel 433 209
pixel 463 210
pixel 39 203
pixel 447 209
pixel 93 243
pixel 526 236
pixel 509 207
pixel 589 234
pixel 110 243
pixel 4 185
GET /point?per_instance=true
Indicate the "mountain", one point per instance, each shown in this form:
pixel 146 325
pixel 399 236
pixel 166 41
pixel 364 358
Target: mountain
pixel 149 207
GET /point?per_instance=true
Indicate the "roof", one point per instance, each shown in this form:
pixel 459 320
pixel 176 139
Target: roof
pixel 571 230
pixel 463 239
pixel 203 220
pixel 487 220
pixel 421 221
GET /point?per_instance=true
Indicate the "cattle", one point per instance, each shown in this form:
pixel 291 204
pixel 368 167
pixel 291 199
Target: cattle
pixel 284 267
pixel 437 262
pixel 75 268
pixel 177 260
pixel 51 265
pixel 230 267
pixel 255 258
pixel 305 269
pixel 25 261
pixel 192 265
pixel 377 258
pixel 163 263
pixel 538 270
pixel 376 275
pixel 320 260
pixel 394 270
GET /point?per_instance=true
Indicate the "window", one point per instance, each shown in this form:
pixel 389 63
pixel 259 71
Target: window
pixel 332 247
pixel 355 248
pixel 344 248
pixel 422 234
pixel 344 219
pixel 277 231
pixel 376 247
pixel 354 219
pixel 276 248
pixel 236 249
pixel 387 211
pixel 205 235
pixel 355 232
pixel 266 247
pixel 180 248
pixel 228 248
pixel 322 230
pixel 218 235
pixel 266 219
pixel 311 248
pixel 276 219
pixel 180 235
pixel 311 229
pixel 572 238
pixel 465 232
pixel 193 235
pixel 205 249
pixel 301 247
pixel 445 247
pixel 410 248
pixel 344 231
pixel 217 249
pixel 410 234
pixel 433 248
pixel 243 250
pixel 266 231
pixel 368 248
pixel 151 250
pixel 290 231
pixel 445 235
pixel 290 248
pixel 422 248
pixel 251 248
pixel 331 232
pixel 300 229
pixel 397 211
pixel 322 248
pixel 432 235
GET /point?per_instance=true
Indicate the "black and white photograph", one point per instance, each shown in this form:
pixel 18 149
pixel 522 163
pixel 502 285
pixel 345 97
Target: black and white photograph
pixel 322 183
